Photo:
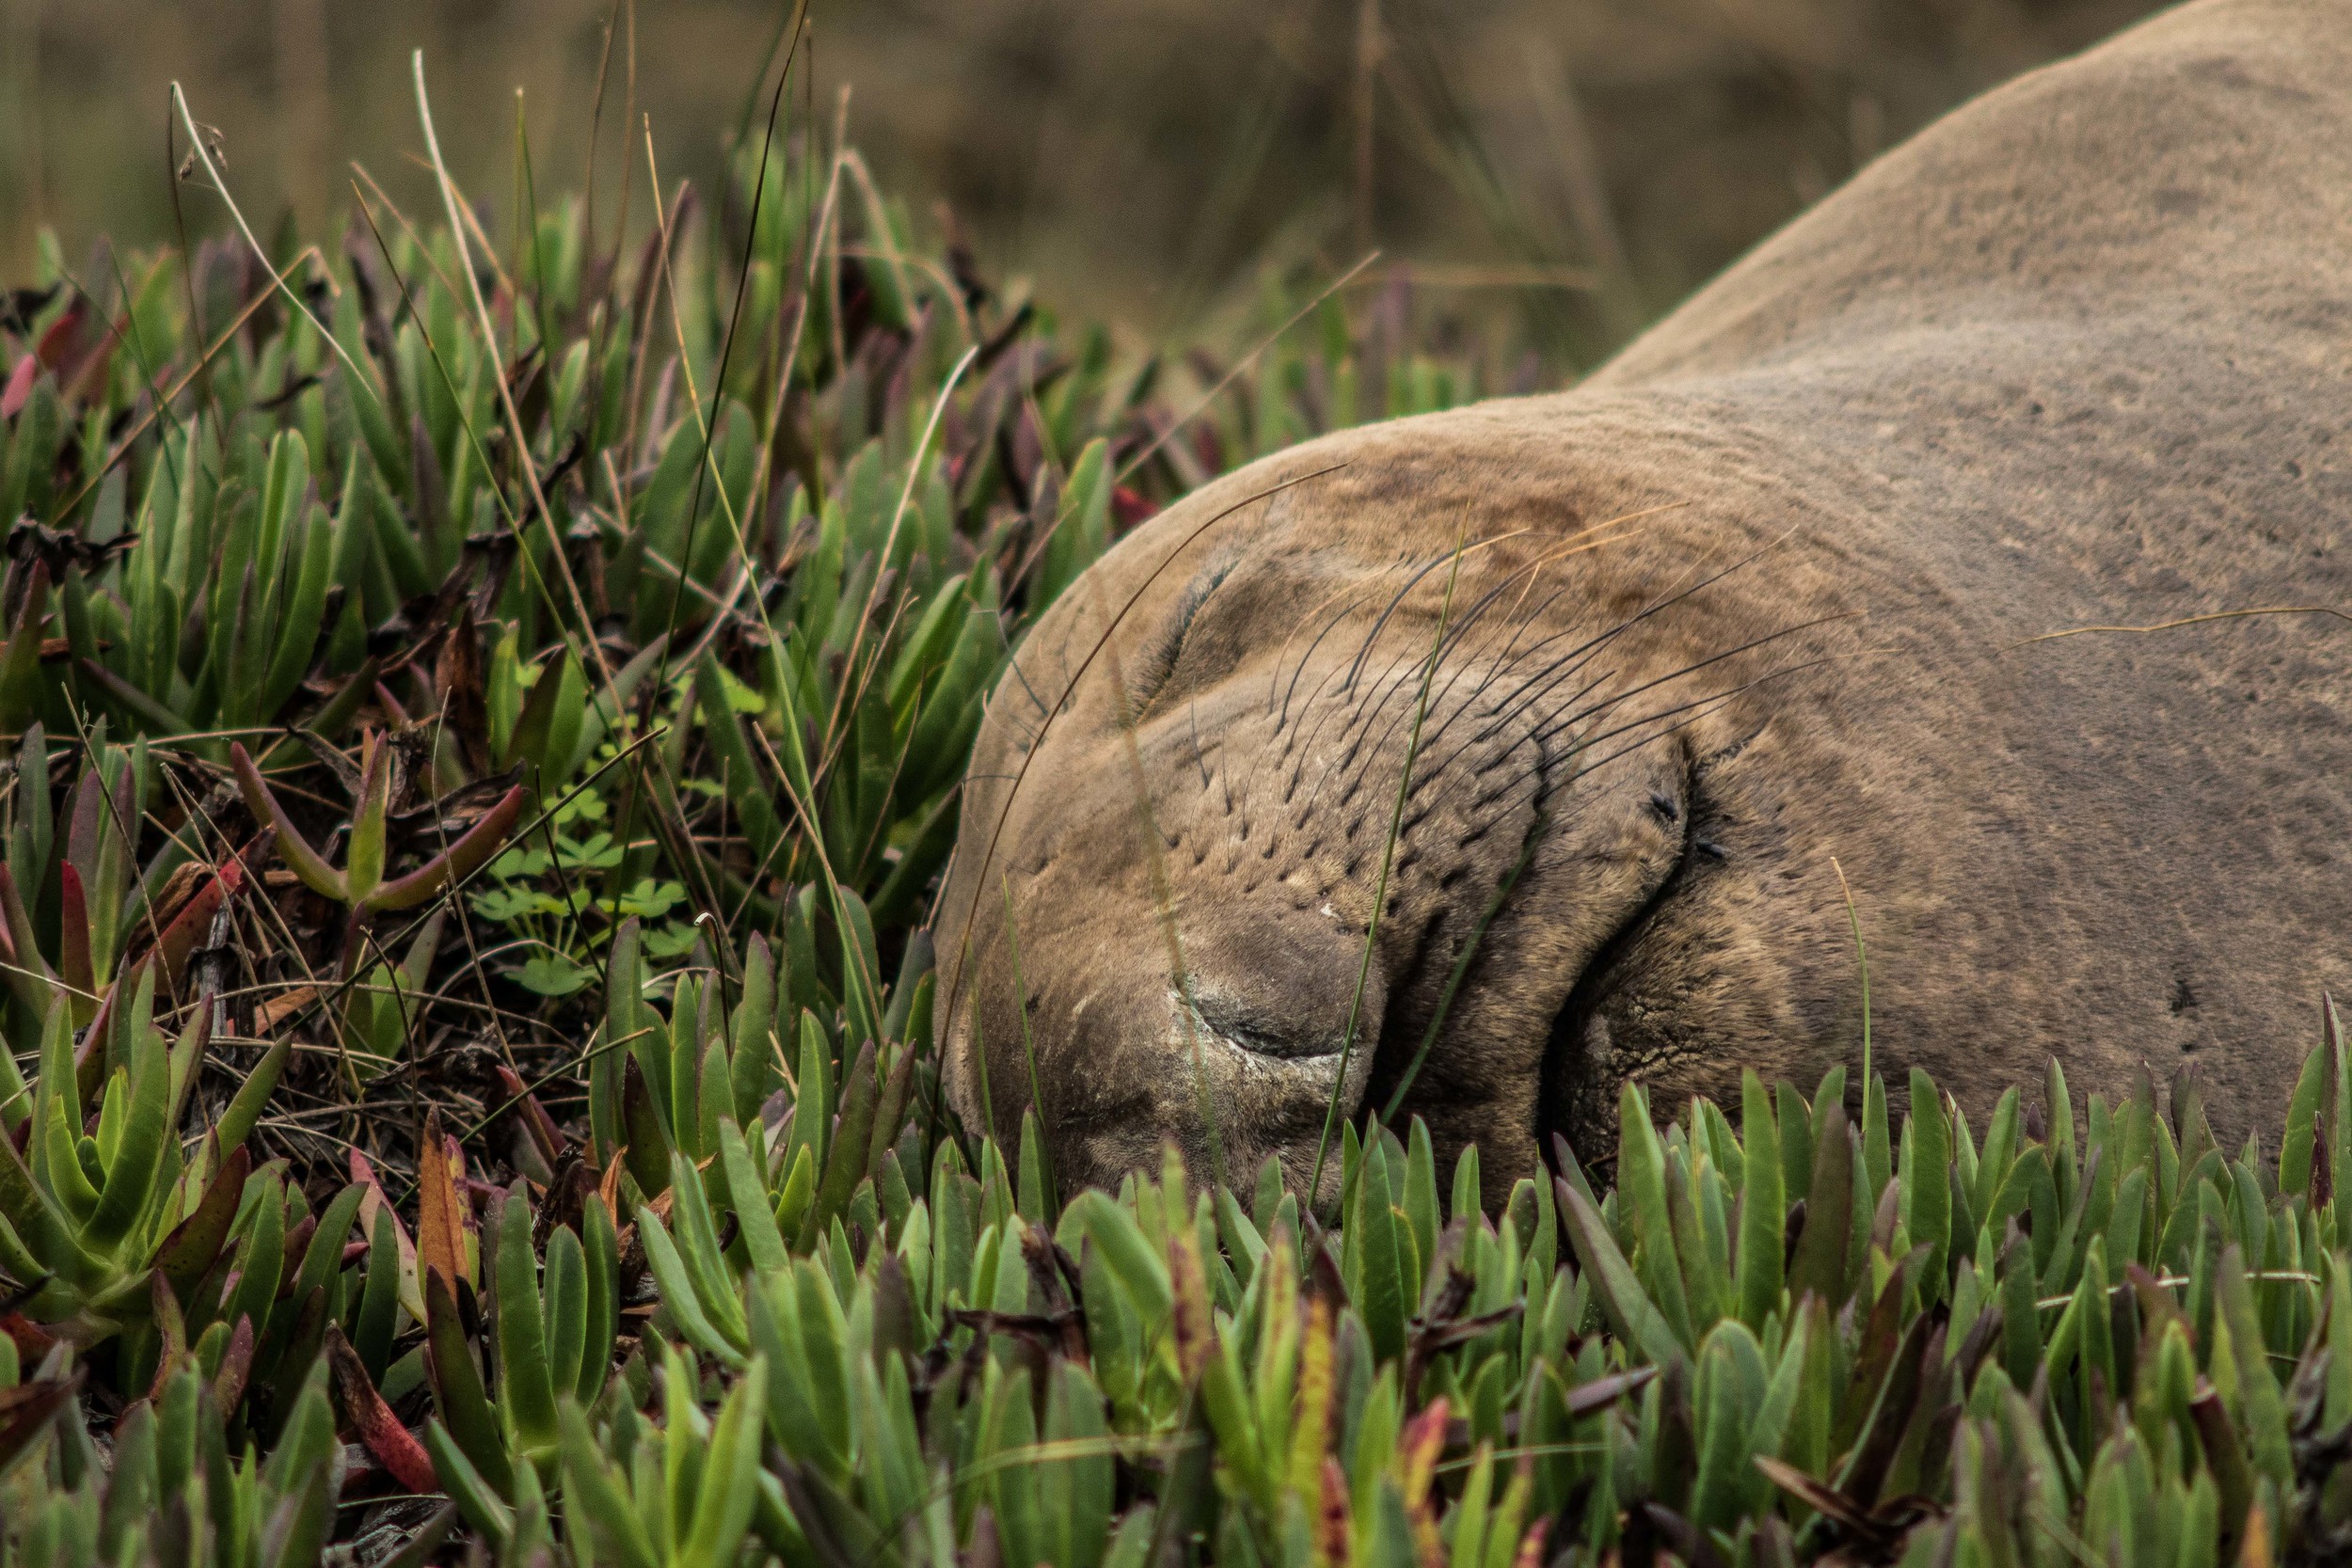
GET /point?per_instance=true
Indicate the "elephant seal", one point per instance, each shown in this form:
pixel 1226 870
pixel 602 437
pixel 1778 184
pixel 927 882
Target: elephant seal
pixel 1628 667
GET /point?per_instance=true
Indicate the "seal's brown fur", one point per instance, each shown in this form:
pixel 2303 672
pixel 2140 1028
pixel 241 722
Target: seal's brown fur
pixel 2077 355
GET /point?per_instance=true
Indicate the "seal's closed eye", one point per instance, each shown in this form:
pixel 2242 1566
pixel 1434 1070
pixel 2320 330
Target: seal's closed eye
pixel 1158 660
pixel 1256 1029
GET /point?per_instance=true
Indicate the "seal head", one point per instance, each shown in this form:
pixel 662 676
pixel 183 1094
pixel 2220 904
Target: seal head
pixel 1240 885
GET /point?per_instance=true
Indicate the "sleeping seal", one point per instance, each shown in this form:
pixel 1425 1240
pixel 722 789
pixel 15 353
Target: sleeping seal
pixel 1468 765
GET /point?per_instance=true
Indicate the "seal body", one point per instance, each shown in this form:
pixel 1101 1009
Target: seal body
pixel 1467 765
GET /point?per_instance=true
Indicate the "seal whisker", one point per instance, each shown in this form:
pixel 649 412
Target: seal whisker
pixel 1305 745
pixel 1697 665
pixel 1477 612
pixel 1461 667
pixel 1535 686
pixel 1446 768
pixel 1361 755
pixel 1699 707
pixel 1571 714
pixel 1477 661
pixel 1667 601
pixel 1391 680
pixel 1511 653
pixel 1300 670
pixel 1414 581
pixel 1357 723
pixel 1511 659
pixel 1540 685
pixel 1380 622
pixel 1577 545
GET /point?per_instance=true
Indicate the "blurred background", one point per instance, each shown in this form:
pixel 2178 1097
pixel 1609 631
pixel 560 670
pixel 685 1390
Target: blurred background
pixel 1581 163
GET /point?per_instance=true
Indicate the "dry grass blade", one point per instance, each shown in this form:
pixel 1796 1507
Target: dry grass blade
pixel 2190 621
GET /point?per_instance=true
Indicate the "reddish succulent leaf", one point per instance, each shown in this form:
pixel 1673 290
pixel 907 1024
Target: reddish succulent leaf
pixel 1130 506
pixel 296 1245
pixel 1899 1389
pixel 36 976
pixel 1816 1494
pixel 57 344
pixel 81 838
pixel 441 1232
pixel 89 1057
pixel 73 942
pixel 20 388
pixel 2156 1304
pixel 1585 1397
pixel 172 1331
pixel 394 1446
pixel 1419 1444
pixel 89 379
pixel 195 1244
pixel 456 862
pixel 88 813
pixel 1337 1517
pixel 236 1366
pixel 195 918
pixel 26 1408
pixel 292 848
pixel 32 1340
pixel 1417 1447
pixel 411 1292
pixel 544 1135
pixel 2225 1455
pixel 164 906
pixel 1195 1326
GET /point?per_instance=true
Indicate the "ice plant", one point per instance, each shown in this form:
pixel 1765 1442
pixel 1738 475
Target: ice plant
pixel 714 548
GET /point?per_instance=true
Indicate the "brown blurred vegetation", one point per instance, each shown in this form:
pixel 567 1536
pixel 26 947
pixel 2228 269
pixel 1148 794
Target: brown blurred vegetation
pixel 1144 159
